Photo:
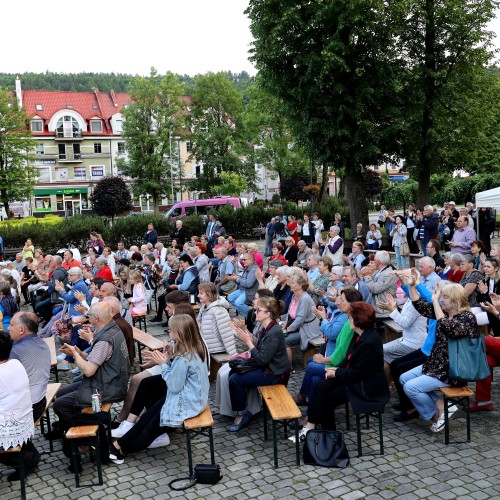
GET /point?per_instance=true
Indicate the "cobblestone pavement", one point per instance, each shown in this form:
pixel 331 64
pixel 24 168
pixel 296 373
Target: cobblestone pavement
pixel 416 463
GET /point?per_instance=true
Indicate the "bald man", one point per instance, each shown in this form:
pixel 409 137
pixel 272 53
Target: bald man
pixel 105 368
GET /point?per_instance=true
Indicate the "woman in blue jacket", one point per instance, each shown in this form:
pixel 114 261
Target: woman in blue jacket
pixel 184 369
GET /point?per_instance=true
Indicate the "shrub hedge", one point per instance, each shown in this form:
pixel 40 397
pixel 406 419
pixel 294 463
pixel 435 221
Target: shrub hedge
pixel 53 233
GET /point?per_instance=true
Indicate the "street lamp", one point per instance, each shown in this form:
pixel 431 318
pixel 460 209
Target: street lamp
pixel 90 192
pixel 170 151
pixel 178 139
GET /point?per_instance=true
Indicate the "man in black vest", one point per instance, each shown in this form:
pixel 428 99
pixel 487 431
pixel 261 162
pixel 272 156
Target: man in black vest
pixel 105 368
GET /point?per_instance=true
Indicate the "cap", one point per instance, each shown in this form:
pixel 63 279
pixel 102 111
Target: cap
pixel 125 262
pixel 451 203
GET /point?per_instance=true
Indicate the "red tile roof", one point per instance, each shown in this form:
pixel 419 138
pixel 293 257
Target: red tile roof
pixel 106 103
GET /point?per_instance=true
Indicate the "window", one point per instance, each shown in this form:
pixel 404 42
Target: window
pixel 69 106
pixel 67 126
pixel 94 106
pixel 121 148
pixel 42 204
pixel 198 170
pixel 40 149
pixel 62 151
pixel 38 107
pixel 97 171
pixel 188 146
pixel 36 125
pixel 119 126
pixel 61 174
pixel 77 155
pixel 375 167
pixel 80 173
pixel 43 174
pixel 97 147
pixel 95 125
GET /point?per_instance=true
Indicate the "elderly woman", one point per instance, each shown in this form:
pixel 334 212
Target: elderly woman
pixel 451 309
pixel 373 238
pixel 360 234
pixel 8 304
pixel 361 382
pixel 267 358
pixel 301 324
pixel 282 291
pixel 317 288
pixel 200 260
pixel 291 251
pixel 16 411
pixel 214 320
pixel 356 257
pixel 277 255
pixel 454 273
pixel 187 280
pixel 272 280
pixel 470 279
pixel 398 233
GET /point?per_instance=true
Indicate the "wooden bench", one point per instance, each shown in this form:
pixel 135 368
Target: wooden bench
pixel 201 425
pixel 22 475
pixel 259 232
pixel 144 340
pixel 106 408
pixel 454 395
pixel 392 330
pixel 50 341
pixel 140 319
pixel 410 258
pixel 282 408
pixel 312 348
pixel 12 252
pixel 216 362
pixel 45 416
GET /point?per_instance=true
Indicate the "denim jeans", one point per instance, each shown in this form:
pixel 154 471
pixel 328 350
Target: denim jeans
pixel 372 246
pixel 400 259
pixel 269 245
pixel 314 373
pixel 238 300
pixel 420 389
pixel 239 382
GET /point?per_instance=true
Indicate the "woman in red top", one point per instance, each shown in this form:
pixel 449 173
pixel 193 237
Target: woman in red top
pixel 103 270
pixel 277 255
pixel 292 229
pixel 454 274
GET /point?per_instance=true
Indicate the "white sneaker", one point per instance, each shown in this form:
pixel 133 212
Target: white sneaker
pixel 160 442
pixel 452 410
pixel 75 371
pixel 61 357
pixel 122 429
pixel 302 435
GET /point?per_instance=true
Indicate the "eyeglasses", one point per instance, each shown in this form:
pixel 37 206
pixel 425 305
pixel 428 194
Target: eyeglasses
pixel 261 311
pixel 243 260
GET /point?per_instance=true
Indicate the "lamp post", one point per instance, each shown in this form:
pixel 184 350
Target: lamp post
pixel 170 150
pixel 179 159
pixel 90 192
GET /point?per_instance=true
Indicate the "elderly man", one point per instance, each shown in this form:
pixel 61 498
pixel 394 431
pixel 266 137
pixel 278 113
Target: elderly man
pixel 125 327
pixel 302 255
pixel 179 233
pixel 269 237
pixel 105 368
pixel 313 272
pixel 160 254
pixel 427 227
pixel 109 290
pixel 350 278
pixel 464 212
pixel 69 261
pixel 151 235
pixel 225 270
pixel 11 266
pixel 121 252
pixel 463 236
pixel 334 248
pixel 19 262
pixel 379 280
pixel 428 276
pixel 34 355
pixel 247 285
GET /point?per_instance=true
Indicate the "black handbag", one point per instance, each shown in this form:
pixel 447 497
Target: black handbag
pixel 203 474
pixel 242 365
pixel 325 448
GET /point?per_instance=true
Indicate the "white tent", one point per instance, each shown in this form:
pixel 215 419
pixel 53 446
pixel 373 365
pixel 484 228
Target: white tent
pixel 490 198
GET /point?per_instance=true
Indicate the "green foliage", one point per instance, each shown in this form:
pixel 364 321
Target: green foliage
pixel 232 184
pixel 111 197
pixel 151 122
pixel 462 190
pixel 17 177
pixel 217 138
pixel 373 182
pixel 400 194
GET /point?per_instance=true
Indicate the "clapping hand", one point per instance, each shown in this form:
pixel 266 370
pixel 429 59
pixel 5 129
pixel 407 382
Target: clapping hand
pixel 59 286
pixel 483 287
pixel 156 356
pixel 489 308
pixel 244 336
pixel 319 311
pixel 436 295
pixel 495 299
pixel 80 296
pixel 390 305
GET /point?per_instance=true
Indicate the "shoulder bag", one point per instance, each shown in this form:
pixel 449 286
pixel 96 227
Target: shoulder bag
pixel 404 248
pixel 467 357
pixel 326 449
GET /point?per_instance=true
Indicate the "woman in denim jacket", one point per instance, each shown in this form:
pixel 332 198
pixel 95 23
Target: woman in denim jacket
pixel 185 372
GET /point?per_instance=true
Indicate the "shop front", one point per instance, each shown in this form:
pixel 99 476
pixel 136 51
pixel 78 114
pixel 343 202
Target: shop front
pixel 64 201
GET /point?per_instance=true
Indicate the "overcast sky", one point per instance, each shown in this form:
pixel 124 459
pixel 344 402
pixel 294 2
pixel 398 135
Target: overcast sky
pixel 125 36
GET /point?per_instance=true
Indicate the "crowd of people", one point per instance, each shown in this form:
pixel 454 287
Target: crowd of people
pixel 305 285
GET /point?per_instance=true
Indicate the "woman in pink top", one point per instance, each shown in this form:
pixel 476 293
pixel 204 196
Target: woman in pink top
pixel 138 299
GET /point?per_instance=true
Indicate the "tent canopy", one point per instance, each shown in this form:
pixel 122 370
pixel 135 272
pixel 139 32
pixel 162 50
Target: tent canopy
pixel 490 198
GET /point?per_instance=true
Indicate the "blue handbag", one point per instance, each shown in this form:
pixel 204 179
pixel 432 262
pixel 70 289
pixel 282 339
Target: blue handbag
pixel 467 357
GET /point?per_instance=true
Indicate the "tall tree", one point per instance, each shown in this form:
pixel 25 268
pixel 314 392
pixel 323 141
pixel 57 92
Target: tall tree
pixel 156 115
pixel 17 177
pixel 332 66
pixel 217 137
pixel 444 47
pixel 111 197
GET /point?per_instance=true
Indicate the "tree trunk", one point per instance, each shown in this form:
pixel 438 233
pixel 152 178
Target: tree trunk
pixel 324 183
pixel 356 197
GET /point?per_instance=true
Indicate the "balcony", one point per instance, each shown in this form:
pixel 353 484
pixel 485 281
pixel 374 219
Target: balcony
pixel 70 158
pixel 68 136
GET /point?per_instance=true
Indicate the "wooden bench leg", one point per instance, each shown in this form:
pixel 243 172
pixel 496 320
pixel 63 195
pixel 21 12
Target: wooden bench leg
pixel 446 423
pixel 98 458
pixel 275 445
pixel 264 417
pixel 212 450
pixel 74 461
pixel 49 429
pixel 358 433
pixel 380 431
pixel 189 451
pixel 22 474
